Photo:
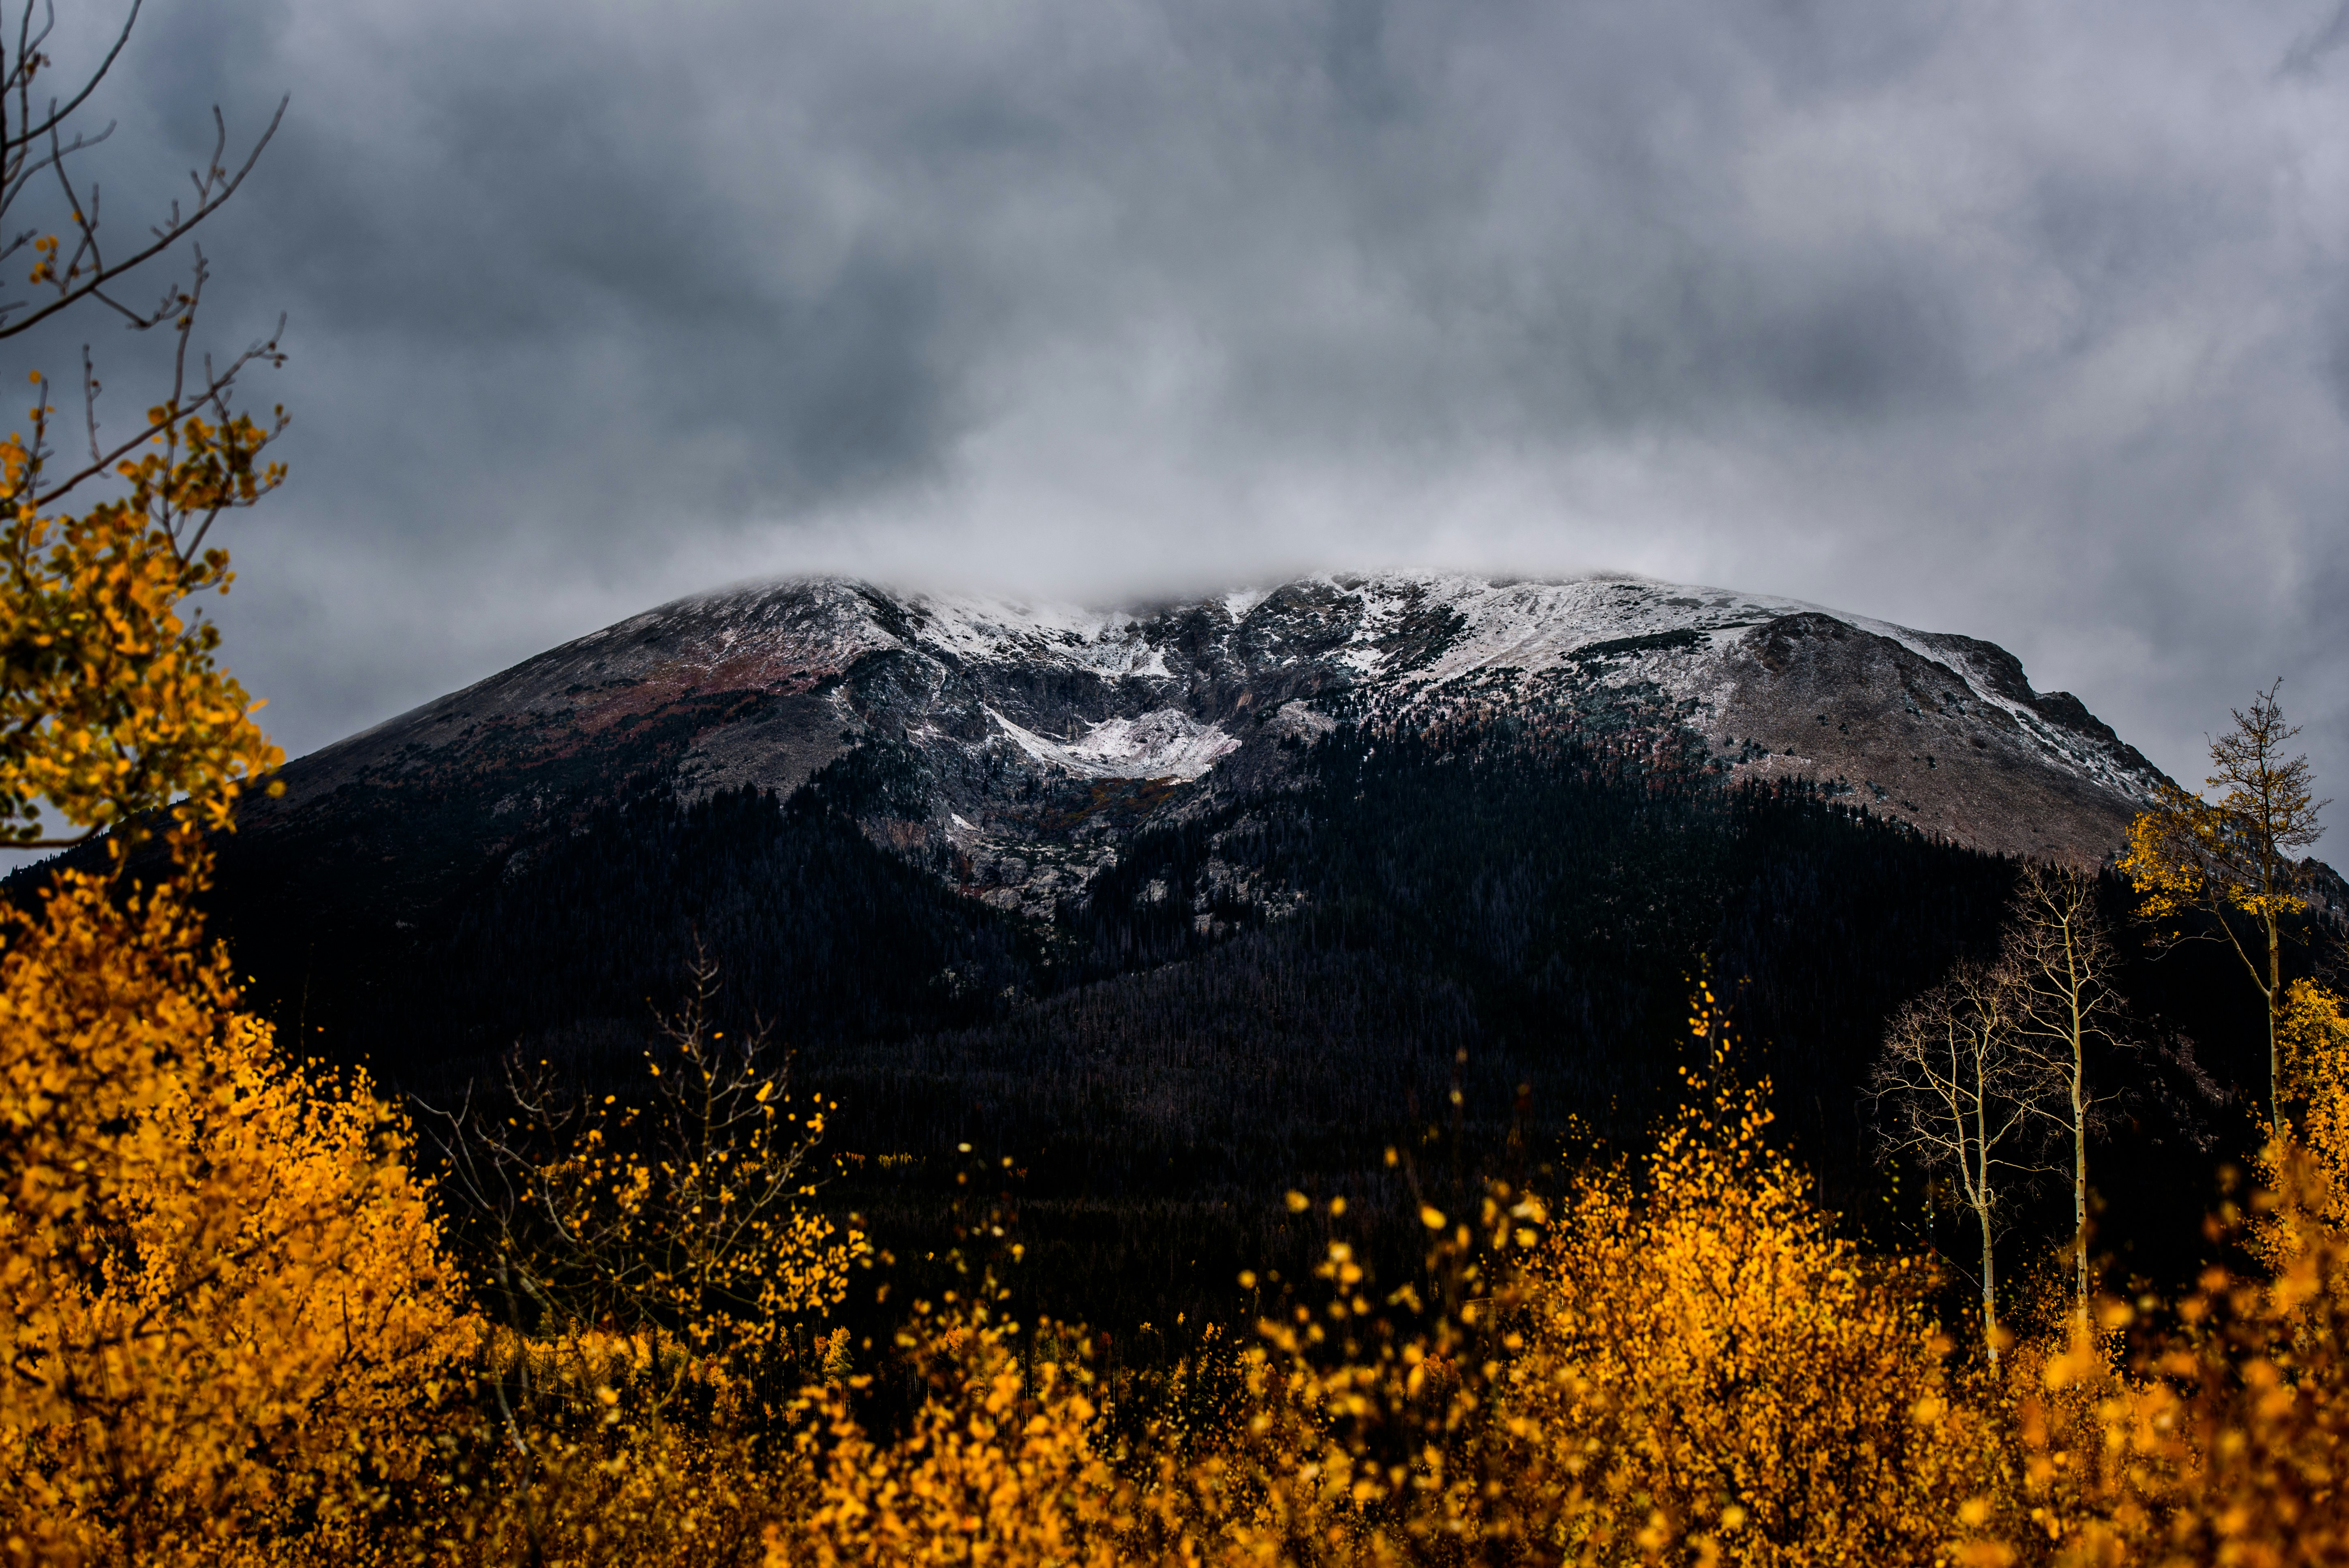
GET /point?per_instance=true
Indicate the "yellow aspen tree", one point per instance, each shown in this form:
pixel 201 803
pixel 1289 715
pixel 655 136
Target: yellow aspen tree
pixel 221 1293
pixel 1375 1426
pixel 1739 1383
pixel 112 706
pixel 998 1464
pixel 220 1286
pixel 2232 859
pixel 2315 1041
pixel 2313 1037
pixel 678 1227
pixel 2223 1436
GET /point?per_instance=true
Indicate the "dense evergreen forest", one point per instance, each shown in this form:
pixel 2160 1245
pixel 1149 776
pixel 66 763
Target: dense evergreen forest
pixel 1264 995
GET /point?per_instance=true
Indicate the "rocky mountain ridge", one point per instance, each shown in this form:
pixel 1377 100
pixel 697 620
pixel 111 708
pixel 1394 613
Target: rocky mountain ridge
pixel 1012 747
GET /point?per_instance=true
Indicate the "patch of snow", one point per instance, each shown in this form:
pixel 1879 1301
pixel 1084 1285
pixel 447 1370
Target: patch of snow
pixel 1029 741
pixel 1240 601
pixel 1166 744
pixel 973 627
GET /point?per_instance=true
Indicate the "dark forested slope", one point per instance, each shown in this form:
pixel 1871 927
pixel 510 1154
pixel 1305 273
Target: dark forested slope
pixel 1174 911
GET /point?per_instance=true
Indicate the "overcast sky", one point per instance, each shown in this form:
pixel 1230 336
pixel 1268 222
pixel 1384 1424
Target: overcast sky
pixel 2030 322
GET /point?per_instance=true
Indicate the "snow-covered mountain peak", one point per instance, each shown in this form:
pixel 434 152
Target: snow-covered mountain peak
pixel 978 715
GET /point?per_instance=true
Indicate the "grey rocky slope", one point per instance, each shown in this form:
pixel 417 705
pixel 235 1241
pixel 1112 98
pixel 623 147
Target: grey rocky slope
pixel 1013 746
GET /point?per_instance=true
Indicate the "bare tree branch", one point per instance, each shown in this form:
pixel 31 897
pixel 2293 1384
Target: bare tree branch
pixel 39 142
pixel 85 270
pixel 1955 1095
pixel 682 1217
pixel 2066 1003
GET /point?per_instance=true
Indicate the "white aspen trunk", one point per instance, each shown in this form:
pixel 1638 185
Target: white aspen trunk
pixel 1981 1213
pixel 2079 1134
pixel 1989 1285
pixel 2275 1002
pixel 2080 1187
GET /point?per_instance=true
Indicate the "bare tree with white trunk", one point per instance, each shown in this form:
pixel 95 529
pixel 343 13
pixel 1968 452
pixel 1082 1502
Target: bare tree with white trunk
pixel 1958 1095
pixel 2059 957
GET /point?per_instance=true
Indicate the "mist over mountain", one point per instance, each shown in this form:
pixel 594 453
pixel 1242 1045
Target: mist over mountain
pixel 1176 905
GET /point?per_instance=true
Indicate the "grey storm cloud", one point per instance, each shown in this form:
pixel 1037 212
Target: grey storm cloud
pixel 2028 321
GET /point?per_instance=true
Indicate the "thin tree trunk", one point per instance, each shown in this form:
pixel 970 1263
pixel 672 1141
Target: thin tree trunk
pixel 1981 1212
pixel 2079 1128
pixel 1989 1285
pixel 2275 1001
pixel 2080 1195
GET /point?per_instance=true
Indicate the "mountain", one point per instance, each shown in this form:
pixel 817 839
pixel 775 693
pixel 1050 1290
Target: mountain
pixel 1014 747
pixel 1178 906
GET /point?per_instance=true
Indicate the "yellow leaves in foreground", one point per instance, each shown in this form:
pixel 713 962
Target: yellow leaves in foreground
pixel 2225 1439
pixel 1001 1464
pixel 233 1335
pixel 1733 1376
pixel 222 1288
pixel 2313 1037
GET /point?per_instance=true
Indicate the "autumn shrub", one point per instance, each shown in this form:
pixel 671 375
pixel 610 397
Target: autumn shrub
pixel 1676 1360
pixel 2213 1428
pixel 1726 1375
pixel 221 1284
pixel 1001 1462
pixel 1002 1458
pixel 2221 1436
pixel 599 1480
pixel 2314 1045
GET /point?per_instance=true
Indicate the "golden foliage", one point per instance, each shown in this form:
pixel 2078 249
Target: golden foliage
pixel 682 1220
pixel 999 1464
pixel 1678 1361
pixel 2315 1035
pixel 112 704
pixel 2235 857
pixel 242 1346
pixel 1368 1431
pixel 1740 1381
pixel 2226 1438
pixel 2301 1212
pixel 221 1285
pixel 2191 853
pixel 592 1469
